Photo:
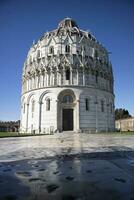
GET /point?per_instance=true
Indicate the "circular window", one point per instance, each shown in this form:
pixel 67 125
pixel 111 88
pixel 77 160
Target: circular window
pixel 67 99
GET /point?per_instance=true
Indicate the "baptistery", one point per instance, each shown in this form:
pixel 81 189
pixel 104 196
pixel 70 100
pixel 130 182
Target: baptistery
pixel 67 83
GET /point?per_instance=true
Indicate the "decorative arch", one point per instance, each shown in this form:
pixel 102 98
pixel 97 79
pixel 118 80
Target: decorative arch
pixel 43 94
pixel 29 97
pixel 68 110
pixel 23 99
pixel 65 92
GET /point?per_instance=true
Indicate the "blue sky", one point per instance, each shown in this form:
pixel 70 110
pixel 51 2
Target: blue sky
pixel 22 21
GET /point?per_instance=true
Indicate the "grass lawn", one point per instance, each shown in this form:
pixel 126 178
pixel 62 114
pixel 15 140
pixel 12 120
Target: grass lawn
pixel 16 134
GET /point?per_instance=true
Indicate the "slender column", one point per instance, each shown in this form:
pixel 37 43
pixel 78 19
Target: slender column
pixel 57 116
pixel 83 77
pixel 36 81
pixel 57 79
pixel 60 75
pixel 39 81
pixel 77 77
pixel 78 115
pixel 28 84
pixel 64 78
pixel 52 78
pixel 71 76
pixel 49 78
pixel 107 120
pixel 96 114
pixel 40 108
pixel 27 118
pixel 43 79
pixel 31 82
pixel 46 79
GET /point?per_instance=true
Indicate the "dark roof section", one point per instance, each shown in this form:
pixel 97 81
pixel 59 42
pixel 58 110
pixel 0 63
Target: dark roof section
pixel 67 22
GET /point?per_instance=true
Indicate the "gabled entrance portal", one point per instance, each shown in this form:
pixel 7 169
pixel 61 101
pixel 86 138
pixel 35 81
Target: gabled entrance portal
pixel 67 119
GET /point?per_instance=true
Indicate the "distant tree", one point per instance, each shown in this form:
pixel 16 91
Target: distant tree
pixel 121 113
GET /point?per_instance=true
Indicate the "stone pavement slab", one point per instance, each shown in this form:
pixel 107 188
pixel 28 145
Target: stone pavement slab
pixel 64 167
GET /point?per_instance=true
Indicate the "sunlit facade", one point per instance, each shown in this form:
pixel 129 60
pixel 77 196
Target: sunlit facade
pixel 67 83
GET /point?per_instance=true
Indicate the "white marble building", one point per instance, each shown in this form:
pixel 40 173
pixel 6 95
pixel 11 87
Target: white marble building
pixel 67 83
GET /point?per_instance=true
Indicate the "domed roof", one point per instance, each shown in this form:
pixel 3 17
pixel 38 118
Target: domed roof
pixel 67 46
pixel 67 22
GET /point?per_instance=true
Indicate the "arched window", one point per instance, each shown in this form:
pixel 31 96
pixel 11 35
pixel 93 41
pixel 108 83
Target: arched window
pixel 67 74
pixel 87 104
pixel 67 49
pixel 67 99
pixel 48 104
pixel 51 50
pixel 102 106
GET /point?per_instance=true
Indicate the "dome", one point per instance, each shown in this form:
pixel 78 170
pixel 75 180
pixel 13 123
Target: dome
pixel 68 46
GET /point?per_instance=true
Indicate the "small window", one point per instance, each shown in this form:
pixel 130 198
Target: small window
pixel 67 99
pixel 48 104
pixel 102 106
pixel 51 50
pixel 67 74
pixel 87 104
pixel 67 49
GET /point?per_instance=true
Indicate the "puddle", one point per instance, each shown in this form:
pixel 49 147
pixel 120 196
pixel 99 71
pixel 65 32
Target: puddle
pixel 10 197
pixel 24 173
pixel 89 171
pixel 50 188
pixel 70 197
pixel 34 179
pixel 69 178
pixel 120 180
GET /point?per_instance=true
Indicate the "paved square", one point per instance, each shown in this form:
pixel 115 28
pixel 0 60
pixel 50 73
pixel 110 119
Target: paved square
pixel 67 166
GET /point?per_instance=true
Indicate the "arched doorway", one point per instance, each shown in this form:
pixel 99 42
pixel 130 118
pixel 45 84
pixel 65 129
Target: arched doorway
pixel 67 113
pixel 66 110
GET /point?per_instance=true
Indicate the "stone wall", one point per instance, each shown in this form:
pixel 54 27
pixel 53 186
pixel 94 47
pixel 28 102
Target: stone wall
pixel 93 119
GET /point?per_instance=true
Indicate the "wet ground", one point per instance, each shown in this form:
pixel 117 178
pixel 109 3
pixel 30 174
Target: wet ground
pixel 67 166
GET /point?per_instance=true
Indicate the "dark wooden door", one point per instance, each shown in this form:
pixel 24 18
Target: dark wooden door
pixel 67 118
